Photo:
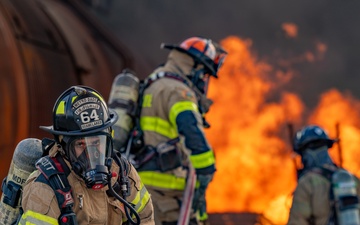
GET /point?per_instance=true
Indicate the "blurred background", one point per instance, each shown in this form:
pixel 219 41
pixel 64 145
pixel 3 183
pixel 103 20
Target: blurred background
pixel 284 33
pixel 290 63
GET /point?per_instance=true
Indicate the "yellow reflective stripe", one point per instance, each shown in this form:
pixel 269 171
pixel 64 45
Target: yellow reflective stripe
pixel 141 198
pixel 203 160
pixel 31 217
pixel 158 125
pixel 61 107
pixel 160 180
pixel 180 107
pixel 147 100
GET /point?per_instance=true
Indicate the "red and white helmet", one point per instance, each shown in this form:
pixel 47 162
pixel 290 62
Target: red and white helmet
pixel 201 49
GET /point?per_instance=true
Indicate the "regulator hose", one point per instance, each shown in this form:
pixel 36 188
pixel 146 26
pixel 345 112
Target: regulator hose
pixel 123 183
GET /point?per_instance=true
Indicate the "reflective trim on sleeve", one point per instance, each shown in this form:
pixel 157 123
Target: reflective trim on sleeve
pixel 142 197
pixel 203 160
pixel 161 180
pixel 31 217
pixel 158 125
pixel 180 107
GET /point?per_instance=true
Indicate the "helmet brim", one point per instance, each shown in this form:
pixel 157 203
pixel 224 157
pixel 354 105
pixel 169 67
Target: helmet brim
pixel 113 118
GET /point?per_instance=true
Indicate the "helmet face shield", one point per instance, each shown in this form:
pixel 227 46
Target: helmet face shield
pixel 88 156
pixel 219 60
pixel 89 151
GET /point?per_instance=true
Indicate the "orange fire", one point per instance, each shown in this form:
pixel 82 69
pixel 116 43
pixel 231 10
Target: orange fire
pixel 255 164
pixel 290 29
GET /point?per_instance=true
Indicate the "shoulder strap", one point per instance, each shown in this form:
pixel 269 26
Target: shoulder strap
pixel 54 173
pixel 136 133
pixel 156 76
pixel 325 172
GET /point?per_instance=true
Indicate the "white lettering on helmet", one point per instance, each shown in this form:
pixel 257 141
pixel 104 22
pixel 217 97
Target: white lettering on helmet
pixel 92 124
pixel 84 100
pixel 85 107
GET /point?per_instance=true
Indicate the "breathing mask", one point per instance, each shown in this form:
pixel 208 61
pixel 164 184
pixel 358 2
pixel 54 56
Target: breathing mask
pixel 90 158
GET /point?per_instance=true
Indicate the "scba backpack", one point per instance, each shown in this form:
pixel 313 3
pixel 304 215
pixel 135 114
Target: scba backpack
pixel 344 200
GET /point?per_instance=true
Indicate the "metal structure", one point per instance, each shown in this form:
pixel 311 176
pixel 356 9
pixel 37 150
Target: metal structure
pixel 46 46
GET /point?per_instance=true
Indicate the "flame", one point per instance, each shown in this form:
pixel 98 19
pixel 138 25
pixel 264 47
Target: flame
pixel 256 169
pixel 339 114
pixel 291 29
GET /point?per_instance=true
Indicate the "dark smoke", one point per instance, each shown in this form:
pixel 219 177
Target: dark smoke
pixel 143 25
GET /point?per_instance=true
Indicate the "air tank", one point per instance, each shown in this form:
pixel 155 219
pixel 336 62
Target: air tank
pixel 123 99
pixel 346 198
pixel 26 153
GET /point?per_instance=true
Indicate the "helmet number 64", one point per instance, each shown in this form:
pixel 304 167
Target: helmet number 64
pixel 86 118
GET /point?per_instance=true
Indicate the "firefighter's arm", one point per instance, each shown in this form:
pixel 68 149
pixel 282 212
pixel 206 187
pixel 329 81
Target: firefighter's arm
pixel 140 198
pixel 184 115
pixel 300 211
pixel 39 203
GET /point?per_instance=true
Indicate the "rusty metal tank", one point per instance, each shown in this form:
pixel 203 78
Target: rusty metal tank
pixel 45 47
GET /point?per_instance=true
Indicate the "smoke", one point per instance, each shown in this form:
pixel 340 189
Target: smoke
pixel 143 25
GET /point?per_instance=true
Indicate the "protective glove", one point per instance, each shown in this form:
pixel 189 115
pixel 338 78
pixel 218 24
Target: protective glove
pixel 199 195
pixel 202 213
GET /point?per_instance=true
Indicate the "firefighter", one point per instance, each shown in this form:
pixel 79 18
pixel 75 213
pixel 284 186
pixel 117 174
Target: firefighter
pixel 83 180
pixel 172 120
pixel 316 199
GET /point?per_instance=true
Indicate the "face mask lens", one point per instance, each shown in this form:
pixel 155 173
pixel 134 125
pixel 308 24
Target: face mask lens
pixel 89 151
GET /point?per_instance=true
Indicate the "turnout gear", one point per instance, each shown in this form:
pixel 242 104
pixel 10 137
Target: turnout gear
pixel 90 206
pixel 172 123
pixel 101 187
pixel 319 183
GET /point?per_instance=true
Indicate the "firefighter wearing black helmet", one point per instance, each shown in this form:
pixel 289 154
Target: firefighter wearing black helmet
pixel 172 119
pixel 82 180
pixel 325 194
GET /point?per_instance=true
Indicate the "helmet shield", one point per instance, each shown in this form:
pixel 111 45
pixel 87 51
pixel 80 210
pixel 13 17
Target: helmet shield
pixel 89 151
pixel 200 78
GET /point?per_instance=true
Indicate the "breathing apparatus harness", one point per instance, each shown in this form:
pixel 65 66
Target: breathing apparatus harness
pixel 344 202
pixel 55 171
pixel 136 139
